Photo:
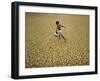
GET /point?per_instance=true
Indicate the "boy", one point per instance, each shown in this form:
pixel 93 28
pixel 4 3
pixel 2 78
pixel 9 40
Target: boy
pixel 58 30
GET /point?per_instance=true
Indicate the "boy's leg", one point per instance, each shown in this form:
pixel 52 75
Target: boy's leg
pixel 59 36
pixel 63 37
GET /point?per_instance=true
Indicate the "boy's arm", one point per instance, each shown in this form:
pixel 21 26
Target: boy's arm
pixel 62 26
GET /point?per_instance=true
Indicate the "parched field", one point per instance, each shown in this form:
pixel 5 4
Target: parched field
pixel 43 49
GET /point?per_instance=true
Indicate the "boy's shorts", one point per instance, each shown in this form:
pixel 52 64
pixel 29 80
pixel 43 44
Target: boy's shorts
pixel 57 33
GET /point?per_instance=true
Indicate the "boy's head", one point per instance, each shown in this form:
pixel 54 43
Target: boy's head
pixel 57 22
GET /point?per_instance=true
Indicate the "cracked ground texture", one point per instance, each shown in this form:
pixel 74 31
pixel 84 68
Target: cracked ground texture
pixel 43 49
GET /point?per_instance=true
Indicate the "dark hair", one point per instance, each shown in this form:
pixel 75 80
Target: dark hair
pixel 57 22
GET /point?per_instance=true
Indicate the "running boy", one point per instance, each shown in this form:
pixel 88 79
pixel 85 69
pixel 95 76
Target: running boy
pixel 59 31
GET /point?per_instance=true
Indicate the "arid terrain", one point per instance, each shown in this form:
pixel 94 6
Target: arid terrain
pixel 43 49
